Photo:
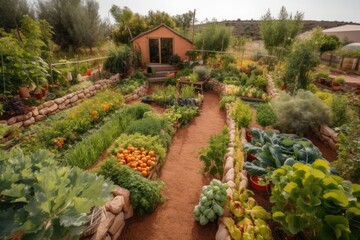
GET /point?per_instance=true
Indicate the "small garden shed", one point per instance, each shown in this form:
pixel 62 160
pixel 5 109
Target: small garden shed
pixel 157 45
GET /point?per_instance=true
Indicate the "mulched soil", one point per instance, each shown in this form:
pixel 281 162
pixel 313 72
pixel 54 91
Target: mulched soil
pixel 184 180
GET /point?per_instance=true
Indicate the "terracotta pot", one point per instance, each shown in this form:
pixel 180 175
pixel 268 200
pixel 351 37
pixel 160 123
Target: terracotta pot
pixel 284 86
pixel 251 157
pixel 88 72
pixel 24 92
pixel 248 136
pixel 38 95
pixel 254 183
pixel 335 86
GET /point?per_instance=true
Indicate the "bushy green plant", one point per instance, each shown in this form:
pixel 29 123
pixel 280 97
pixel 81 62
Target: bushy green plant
pixel 339 79
pixel 138 140
pixel 40 200
pixel 187 91
pixel 120 60
pixel 241 113
pixel 164 96
pixel 227 60
pixel 174 59
pixel 300 62
pixel 348 162
pixel 308 198
pixel 340 111
pixel 302 113
pixel 265 115
pixel 202 72
pixel 154 126
pixel 226 99
pixel 137 110
pixel 211 202
pixel 181 115
pixel 145 194
pixel 213 155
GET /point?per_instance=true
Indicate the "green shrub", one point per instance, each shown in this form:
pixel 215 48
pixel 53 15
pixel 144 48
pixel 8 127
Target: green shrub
pixel 154 126
pixel 187 91
pixel 145 194
pixel 137 110
pixel 120 60
pixel 213 155
pixel 302 113
pixel 181 115
pixel 241 113
pixel 348 164
pixel 40 200
pixel 309 199
pixel 340 111
pixel 226 99
pixel 227 60
pixel 138 140
pixel 202 72
pixel 265 115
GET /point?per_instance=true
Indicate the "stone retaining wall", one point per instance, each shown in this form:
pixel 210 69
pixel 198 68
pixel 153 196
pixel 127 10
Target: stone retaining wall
pixel 113 219
pixel 329 136
pixel 40 112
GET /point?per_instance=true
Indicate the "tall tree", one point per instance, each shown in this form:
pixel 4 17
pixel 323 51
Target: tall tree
pixel 76 23
pixel 184 21
pixel 280 33
pixel 154 19
pixel 11 13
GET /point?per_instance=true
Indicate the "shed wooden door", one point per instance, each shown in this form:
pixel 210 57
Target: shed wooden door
pixel 161 49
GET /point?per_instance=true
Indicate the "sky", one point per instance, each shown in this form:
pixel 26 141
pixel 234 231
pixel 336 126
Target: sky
pixel 332 10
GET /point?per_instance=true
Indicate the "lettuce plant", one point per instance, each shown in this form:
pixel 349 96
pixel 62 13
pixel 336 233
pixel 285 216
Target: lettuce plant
pixel 308 198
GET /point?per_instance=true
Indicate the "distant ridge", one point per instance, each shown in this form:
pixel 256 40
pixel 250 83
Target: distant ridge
pixel 250 28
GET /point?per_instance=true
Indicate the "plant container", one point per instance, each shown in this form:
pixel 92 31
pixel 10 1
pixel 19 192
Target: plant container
pixel 251 157
pixel 24 92
pixel 335 86
pixel 38 95
pixel 255 184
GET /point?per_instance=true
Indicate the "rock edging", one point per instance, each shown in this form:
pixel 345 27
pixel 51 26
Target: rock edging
pixel 329 136
pixel 112 223
pixel 40 112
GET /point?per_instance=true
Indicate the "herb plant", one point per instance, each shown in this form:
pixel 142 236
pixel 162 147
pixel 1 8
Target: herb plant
pixel 145 194
pixel 241 113
pixel 213 155
pixel 265 115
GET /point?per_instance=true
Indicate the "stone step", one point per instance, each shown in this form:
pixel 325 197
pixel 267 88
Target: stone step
pixel 161 67
pixel 157 79
pixel 159 74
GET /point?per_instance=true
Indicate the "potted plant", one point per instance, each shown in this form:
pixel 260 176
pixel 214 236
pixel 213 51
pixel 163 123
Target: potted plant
pixel 336 83
pixel 38 93
pixel 259 183
pixel 24 91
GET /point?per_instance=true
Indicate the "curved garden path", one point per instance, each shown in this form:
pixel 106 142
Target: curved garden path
pixel 181 173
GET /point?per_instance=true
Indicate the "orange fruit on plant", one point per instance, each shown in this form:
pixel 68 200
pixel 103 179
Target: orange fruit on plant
pixel 152 153
pixel 144 173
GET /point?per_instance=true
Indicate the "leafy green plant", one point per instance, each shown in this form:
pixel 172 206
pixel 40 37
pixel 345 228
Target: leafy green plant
pixel 181 115
pixel 120 60
pixel 340 111
pixel 301 113
pixel 248 221
pixel 348 164
pixel 40 200
pixel 165 96
pixel 265 115
pixel 241 113
pixel 145 194
pixel 213 155
pixel 310 199
pixel 152 125
pixel 274 150
pixel 202 72
pixel 187 91
pixel 174 59
pixel 226 99
pixel 211 202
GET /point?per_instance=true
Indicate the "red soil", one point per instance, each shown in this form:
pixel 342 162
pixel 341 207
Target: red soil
pixel 181 173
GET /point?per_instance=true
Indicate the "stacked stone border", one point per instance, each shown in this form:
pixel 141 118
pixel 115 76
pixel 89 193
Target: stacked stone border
pixel 40 112
pixel 112 222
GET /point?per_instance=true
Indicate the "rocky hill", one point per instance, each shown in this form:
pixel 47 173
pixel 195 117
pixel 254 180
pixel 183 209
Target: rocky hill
pixel 250 28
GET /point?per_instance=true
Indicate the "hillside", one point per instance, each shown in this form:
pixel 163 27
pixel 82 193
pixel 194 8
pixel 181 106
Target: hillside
pixel 250 28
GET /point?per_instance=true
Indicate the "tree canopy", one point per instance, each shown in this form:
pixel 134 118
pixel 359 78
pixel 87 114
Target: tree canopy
pixel 280 32
pixel 76 23
pixel 11 13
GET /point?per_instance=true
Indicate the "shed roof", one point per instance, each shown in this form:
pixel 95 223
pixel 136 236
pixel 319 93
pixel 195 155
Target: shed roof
pixel 157 27
pixel 344 28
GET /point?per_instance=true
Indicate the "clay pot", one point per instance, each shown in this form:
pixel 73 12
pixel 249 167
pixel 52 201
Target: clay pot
pixel 24 92
pixel 38 95
pixel 254 183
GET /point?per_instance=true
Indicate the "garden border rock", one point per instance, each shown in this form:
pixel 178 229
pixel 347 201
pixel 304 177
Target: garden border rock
pixel 41 112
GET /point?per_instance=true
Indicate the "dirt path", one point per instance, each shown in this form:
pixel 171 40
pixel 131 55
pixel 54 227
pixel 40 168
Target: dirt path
pixel 181 173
